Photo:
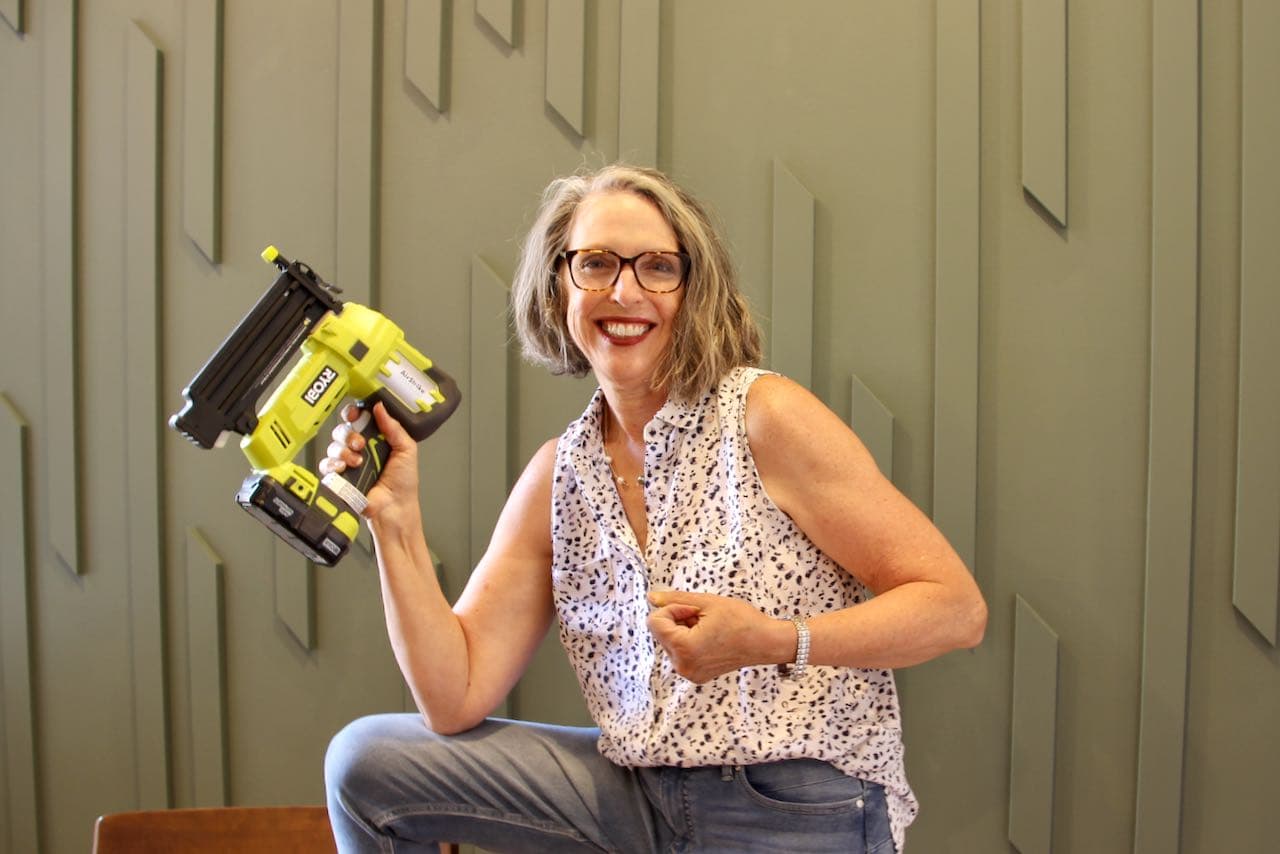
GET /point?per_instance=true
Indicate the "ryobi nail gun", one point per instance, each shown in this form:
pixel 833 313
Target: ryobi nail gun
pixel 345 349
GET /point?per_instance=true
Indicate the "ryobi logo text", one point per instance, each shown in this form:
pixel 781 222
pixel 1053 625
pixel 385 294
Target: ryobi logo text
pixel 320 385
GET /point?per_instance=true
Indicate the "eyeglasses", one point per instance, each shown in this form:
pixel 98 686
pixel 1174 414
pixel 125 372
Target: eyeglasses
pixel 599 269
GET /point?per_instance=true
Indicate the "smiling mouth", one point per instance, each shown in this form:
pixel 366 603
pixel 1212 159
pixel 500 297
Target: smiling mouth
pixel 621 330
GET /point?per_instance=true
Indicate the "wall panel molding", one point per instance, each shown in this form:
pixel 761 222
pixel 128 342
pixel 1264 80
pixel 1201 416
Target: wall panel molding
pixel 1175 170
pixel 488 417
pixel 144 479
pixel 1033 731
pixel 501 17
pixel 1256 583
pixel 202 126
pixel 359 78
pixel 1044 104
pixel 61 271
pixel 19 787
pixel 427 49
pixel 206 651
pixel 294 584
pixel 12 13
pixel 639 53
pixel 567 61
pixel 956 286
pixel 873 422
pixel 359 164
pixel 791 307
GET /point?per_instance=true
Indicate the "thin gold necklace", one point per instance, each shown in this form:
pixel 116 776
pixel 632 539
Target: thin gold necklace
pixel 623 483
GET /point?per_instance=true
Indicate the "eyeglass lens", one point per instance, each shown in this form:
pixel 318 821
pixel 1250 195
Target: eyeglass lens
pixel 598 269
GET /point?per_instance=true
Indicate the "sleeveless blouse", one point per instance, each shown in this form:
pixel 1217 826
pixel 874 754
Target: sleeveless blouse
pixel 712 529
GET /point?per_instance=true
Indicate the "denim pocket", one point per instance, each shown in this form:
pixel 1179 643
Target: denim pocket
pixel 802 786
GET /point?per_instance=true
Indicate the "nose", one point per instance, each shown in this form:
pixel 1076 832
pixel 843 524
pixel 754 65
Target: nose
pixel 626 288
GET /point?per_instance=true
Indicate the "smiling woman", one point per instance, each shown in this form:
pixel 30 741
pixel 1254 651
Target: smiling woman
pixel 713 333
pixel 623 329
pixel 733 579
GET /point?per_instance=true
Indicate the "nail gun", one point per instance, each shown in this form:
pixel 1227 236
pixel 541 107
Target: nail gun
pixel 345 349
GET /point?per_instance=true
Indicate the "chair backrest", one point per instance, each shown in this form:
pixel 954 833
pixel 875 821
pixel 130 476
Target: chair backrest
pixel 243 830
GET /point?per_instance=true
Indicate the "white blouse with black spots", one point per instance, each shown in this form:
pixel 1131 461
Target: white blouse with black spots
pixel 712 529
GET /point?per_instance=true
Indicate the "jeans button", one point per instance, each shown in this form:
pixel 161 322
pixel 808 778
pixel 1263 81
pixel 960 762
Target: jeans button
pixel 859 803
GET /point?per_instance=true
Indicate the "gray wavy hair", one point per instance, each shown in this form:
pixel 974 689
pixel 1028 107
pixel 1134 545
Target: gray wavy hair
pixel 714 331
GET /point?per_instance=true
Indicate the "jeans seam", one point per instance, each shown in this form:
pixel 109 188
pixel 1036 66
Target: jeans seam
pixel 832 778
pixel 465 811
pixel 690 832
pixel 827 808
pixel 378 838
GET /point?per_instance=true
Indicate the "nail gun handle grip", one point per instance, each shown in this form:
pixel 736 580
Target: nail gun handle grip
pixel 376 451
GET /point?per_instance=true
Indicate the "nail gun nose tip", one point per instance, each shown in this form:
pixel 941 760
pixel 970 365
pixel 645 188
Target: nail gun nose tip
pixel 270 254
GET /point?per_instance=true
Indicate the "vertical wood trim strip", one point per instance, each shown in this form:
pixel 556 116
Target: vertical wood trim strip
pixel 1044 104
pixel 61 269
pixel 17 740
pixel 639 53
pixel 500 15
pixel 12 13
pixel 1033 731
pixel 359 71
pixel 426 49
pixel 207 666
pixel 1256 584
pixel 957 240
pixel 356 241
pixel 873 422
pixel 202 126
pixel 295 593
pixel 566 79
pixel 791 306
pixel 1175 169
pixel 488 402
pixel 144 483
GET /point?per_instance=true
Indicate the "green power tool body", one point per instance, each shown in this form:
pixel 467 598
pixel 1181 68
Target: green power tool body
pixel 344 350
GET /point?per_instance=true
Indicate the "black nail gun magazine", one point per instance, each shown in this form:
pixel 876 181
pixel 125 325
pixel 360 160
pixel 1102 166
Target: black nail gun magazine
pixel 346 350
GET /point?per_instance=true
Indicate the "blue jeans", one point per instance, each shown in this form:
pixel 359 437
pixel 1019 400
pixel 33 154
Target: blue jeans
pixel 393 785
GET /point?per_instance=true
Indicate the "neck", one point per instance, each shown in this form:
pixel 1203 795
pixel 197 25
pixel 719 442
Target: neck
pixel 623 447
pixel 627 412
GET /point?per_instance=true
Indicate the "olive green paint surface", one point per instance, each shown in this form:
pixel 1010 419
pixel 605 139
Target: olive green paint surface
pixel 873 423
pixel 1256 589
pixel 202 126
pixel 957 235
pixel 791 305
pixel 1044 104
pixel 11 11
pixel 18 783
pixel 486 403
pixel 206 629
pixel 61 258
pixel 426 49
pixel 1032 732
pixel 144 337
pixel 936 283
pixel 1171 448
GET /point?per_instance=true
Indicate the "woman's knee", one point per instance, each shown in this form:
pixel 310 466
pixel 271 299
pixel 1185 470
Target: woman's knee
pixel 366 749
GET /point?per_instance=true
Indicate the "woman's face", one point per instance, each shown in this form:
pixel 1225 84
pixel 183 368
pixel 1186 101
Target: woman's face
pixel 623 331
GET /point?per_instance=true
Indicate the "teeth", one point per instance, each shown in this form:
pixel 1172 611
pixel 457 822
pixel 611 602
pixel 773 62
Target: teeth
pixel 626 330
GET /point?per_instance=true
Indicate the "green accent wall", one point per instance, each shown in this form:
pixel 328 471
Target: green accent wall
pixel 1084 405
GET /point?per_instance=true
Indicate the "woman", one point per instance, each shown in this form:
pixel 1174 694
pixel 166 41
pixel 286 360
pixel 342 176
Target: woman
pixel 733 577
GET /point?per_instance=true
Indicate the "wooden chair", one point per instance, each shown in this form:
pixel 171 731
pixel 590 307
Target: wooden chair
pixel 219 830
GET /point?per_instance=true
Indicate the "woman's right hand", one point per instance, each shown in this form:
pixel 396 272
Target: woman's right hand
pixel 397 487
